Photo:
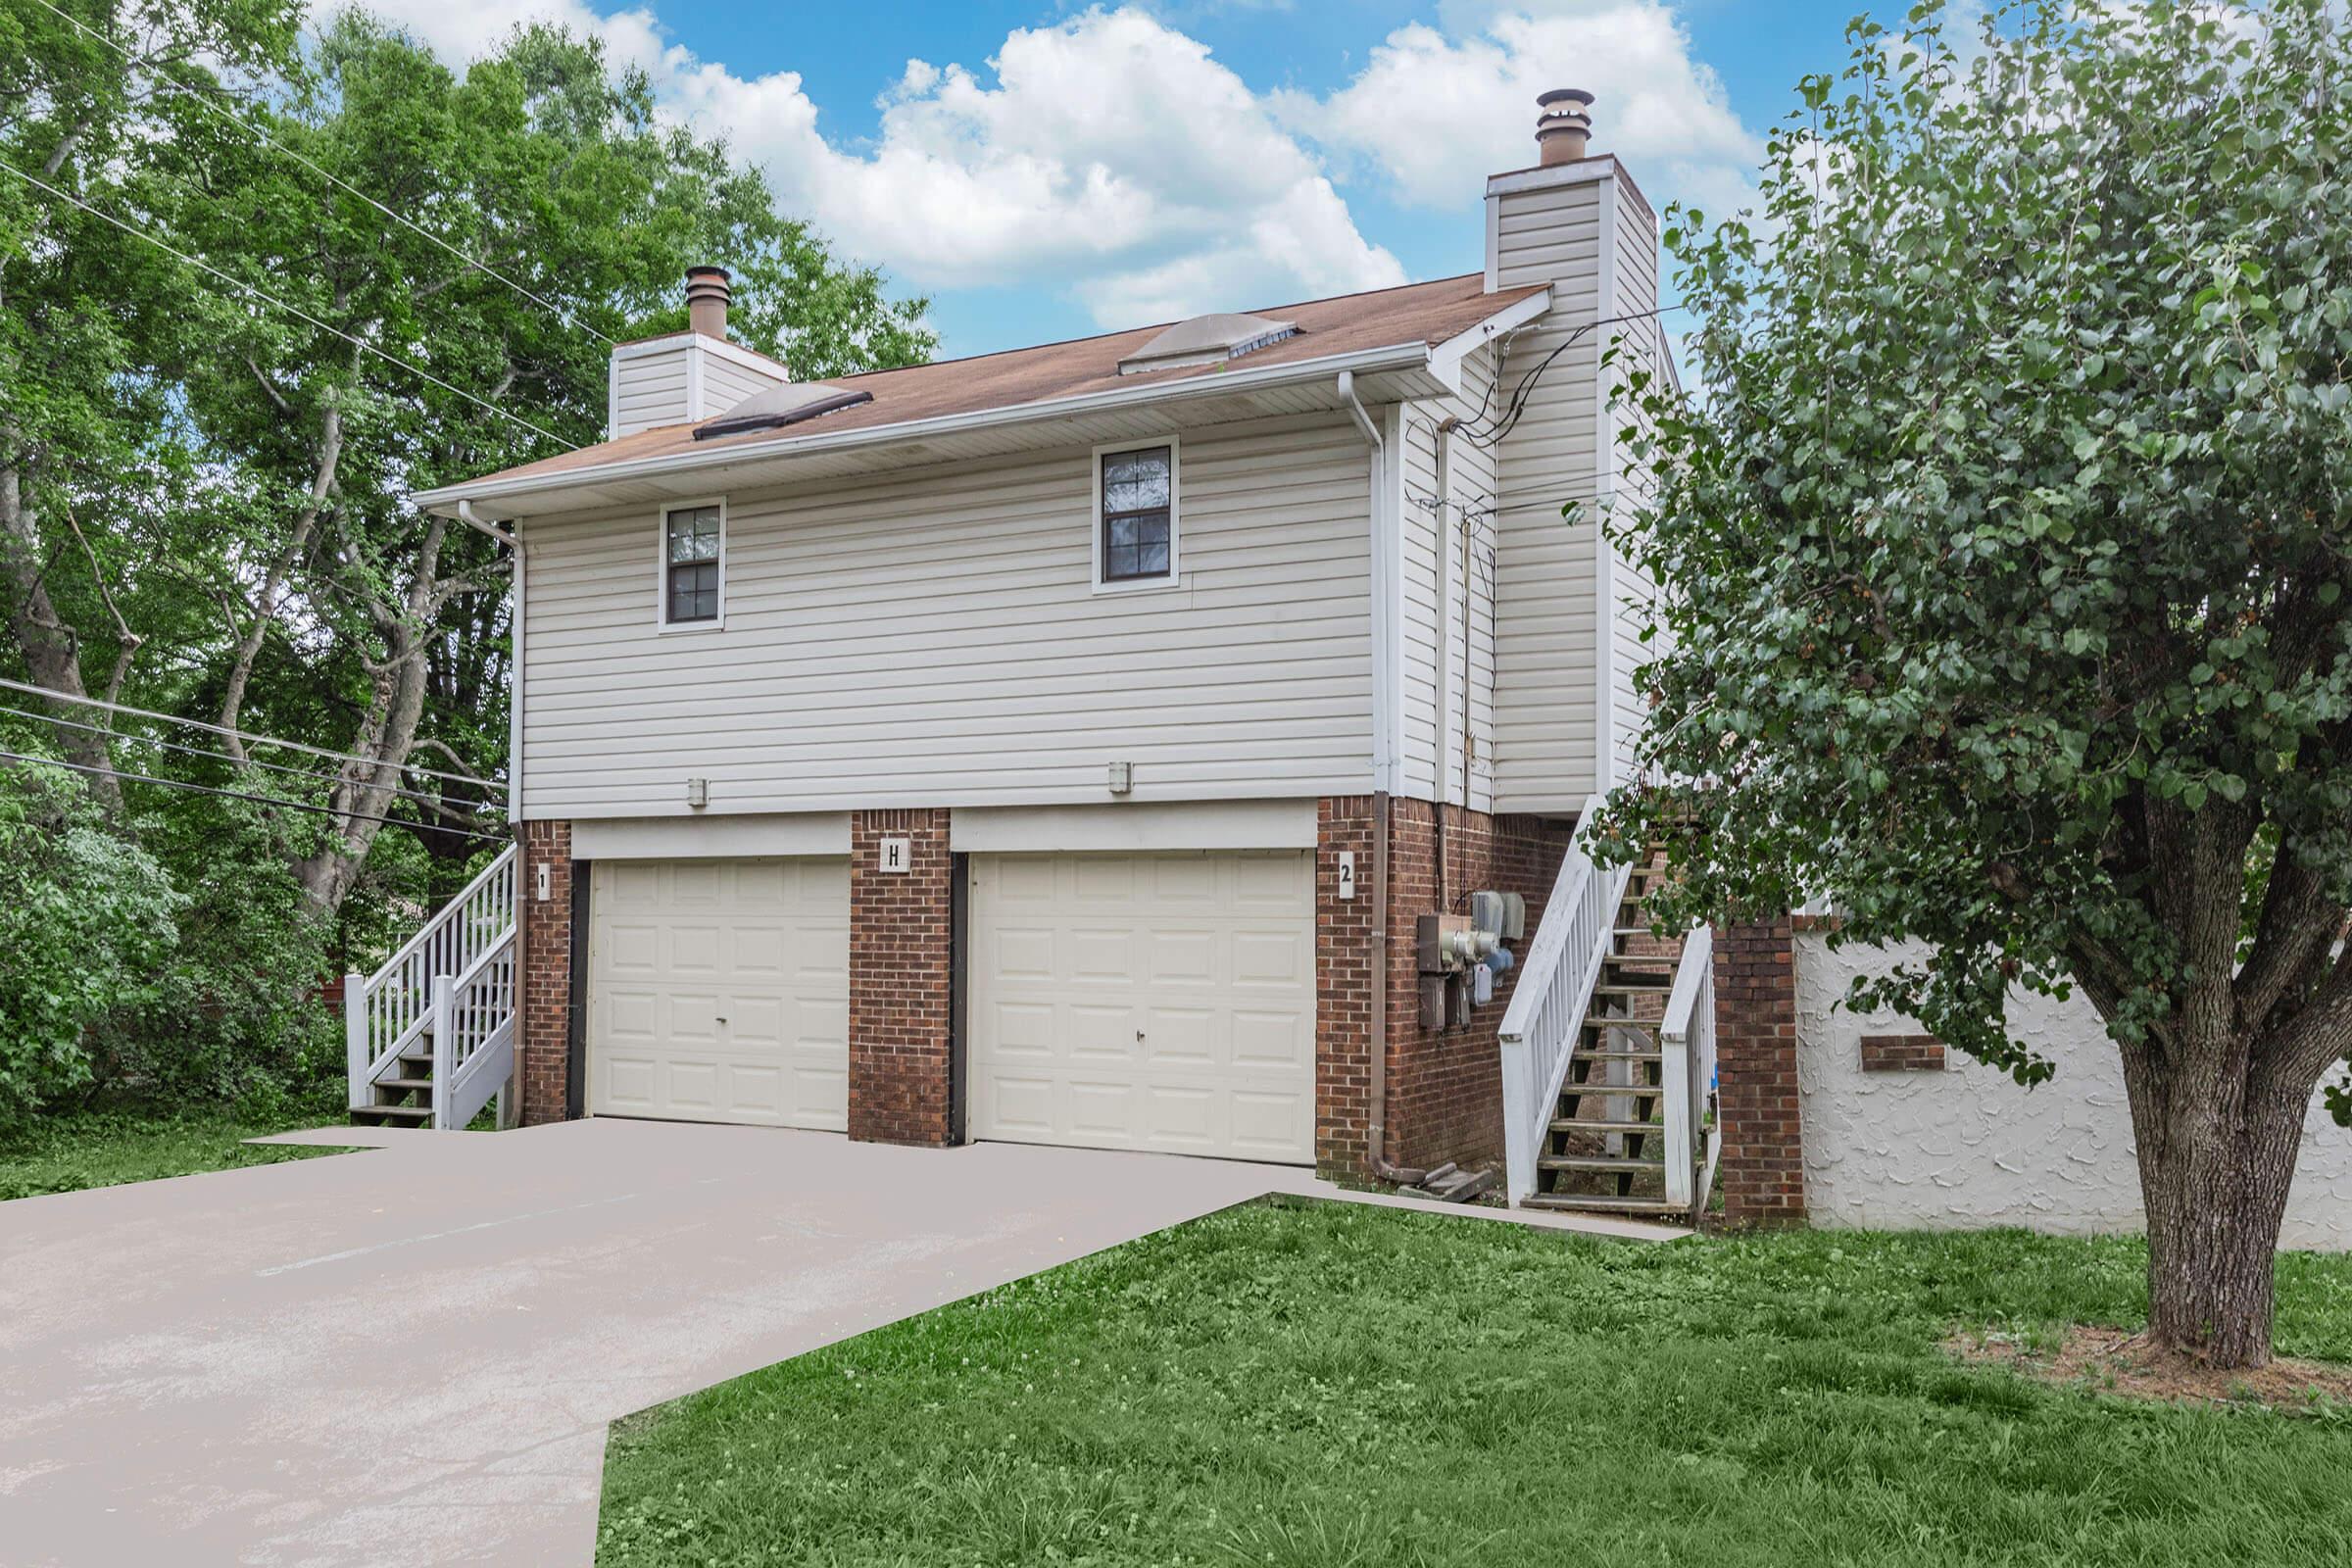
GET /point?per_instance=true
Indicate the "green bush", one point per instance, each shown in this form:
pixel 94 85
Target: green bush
pixel 87 931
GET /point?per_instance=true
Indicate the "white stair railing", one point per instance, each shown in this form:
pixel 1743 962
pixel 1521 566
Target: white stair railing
pixel 453 980
pixel 1538 1031
pixel 1687 1046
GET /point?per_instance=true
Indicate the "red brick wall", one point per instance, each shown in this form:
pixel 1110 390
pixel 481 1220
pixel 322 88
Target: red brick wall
pixel 544 1028
pixel 1446 1085
pixel 1343 985
pixel 1902 1053
pixel 1763 1166
pixel 902 950
pixel 1444 1091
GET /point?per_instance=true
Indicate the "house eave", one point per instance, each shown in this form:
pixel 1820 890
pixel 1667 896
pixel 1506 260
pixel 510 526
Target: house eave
pixel 1404 370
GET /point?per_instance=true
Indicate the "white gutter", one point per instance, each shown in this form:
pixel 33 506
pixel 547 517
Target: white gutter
pixel 1355 409
pixel 1414 355
pixel 514 627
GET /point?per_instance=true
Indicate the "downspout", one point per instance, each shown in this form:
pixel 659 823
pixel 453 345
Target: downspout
pixel 514 542
pixel 1376 1128
pixel 1355 409
pixel 1376 1096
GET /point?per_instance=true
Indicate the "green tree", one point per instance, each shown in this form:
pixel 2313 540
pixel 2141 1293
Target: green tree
pixel 2005 552
pixel 85 932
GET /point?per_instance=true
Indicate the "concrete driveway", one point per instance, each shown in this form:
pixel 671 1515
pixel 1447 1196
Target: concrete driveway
pixel 408 1355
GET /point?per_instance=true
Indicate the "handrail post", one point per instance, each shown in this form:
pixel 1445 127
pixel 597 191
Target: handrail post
pixel 445 1066
pixel 1673 1051
pixel 355 1037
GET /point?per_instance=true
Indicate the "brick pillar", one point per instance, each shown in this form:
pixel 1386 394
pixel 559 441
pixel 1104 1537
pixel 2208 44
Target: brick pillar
pixel 544 1026
pixel 1763 1166
pixel 1343 986
pixel 902 951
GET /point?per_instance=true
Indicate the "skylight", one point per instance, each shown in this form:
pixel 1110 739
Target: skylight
pixel 1206 340
pixel 781 406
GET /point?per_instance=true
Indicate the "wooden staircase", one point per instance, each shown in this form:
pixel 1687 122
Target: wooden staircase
pixel 431 1035
pixel 404 1100
pixel 1605 1148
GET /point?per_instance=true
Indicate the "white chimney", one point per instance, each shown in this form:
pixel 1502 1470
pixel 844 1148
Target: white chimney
pixel 687 377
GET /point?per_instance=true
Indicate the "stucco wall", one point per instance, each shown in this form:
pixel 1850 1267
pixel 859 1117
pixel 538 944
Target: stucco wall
pixel 1966 1147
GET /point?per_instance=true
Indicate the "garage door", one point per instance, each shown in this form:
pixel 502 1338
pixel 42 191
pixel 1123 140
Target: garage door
pixel 719 991
pixel 1146 1001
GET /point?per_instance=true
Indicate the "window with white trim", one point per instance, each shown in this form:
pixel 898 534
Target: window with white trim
pixel 692 538
pixel 1135 513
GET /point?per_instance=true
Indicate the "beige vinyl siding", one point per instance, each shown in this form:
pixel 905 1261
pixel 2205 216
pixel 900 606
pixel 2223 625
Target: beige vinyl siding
pixel 933 639
pixel 1644 346
pixel 1546 675
pixel 651 391
pixel 1434 686
pixel 726 383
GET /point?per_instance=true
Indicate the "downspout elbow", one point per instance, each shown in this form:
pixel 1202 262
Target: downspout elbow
pixel 1355 409
pixel 466 515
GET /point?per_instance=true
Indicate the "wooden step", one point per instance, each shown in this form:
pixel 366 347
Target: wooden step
pixel 380 1115
pixel 404 1083
pixel 1577 1124
pixel 1602 1164
pixel 1601 1204
pixel 1618 1056
pixel 1593 1090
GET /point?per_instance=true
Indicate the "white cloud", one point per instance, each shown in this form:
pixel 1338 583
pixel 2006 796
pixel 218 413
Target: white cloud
pixel 1436 109
pixel 1109 156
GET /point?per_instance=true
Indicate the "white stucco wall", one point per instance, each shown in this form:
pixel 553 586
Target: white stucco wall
pixel 1966 1147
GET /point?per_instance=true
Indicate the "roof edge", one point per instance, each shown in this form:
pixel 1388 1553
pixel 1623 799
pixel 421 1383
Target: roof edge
pixel 1415 352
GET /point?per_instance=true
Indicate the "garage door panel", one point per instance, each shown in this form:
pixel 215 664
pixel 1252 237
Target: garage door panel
pixel 1144 1001
pixel 718 990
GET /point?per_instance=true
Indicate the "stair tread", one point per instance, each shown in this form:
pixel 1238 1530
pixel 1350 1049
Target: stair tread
pixel 1596 1203
pixel 1577 1124
pixel 404 1083
pixel 1621 1055
pixel 397 1113
pixel 1615 1164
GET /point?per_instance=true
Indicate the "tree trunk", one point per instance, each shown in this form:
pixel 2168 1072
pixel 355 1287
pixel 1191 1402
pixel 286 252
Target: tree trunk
pixel 52 653
pixel 2217 1156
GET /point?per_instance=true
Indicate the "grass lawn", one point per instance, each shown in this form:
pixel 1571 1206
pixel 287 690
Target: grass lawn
pixel 102 1148
pixel 1334 1384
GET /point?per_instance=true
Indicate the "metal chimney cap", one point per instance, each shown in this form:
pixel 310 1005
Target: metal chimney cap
pixel 1564 95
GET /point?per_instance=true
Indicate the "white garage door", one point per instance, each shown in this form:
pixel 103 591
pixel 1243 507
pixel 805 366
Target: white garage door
pixel 719 991
pixel 1162 1002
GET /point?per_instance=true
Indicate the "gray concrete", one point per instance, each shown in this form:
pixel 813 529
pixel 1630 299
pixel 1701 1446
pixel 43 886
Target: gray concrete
pixel 408 1355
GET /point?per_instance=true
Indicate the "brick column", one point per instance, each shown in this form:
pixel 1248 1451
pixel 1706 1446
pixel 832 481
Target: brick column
pixel 1343 986
pixel 1763 1166
pixel 544 1024
pixel 902 951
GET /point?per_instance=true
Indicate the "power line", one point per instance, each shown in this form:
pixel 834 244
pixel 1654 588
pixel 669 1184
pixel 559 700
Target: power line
pixel 245 735
pixel 1527 382
pixel 242 123
pixel 271 299
pixel 243 795
pixel 437 801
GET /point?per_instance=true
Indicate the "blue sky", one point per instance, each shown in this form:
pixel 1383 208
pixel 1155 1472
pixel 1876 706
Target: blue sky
pixel 1044 171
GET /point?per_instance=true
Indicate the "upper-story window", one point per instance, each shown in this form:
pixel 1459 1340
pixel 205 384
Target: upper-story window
pixel 693 568
pixel 1135 510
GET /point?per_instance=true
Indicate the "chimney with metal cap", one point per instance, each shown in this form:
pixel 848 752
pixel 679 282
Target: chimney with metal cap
pixel 1563 125
pixel 707 296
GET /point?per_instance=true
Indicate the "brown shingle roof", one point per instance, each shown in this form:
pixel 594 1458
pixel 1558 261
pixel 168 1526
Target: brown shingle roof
pixel 1423 312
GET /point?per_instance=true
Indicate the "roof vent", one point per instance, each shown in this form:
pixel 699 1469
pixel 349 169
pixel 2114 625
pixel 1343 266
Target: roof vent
pixel 781 406
pixel 1206 340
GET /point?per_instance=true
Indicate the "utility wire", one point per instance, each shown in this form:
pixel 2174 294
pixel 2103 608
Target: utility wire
pixel 243 795
pixel 263 136
pixel 271 299
pixel 1527 382
pixel 439 802
pixel 246 735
